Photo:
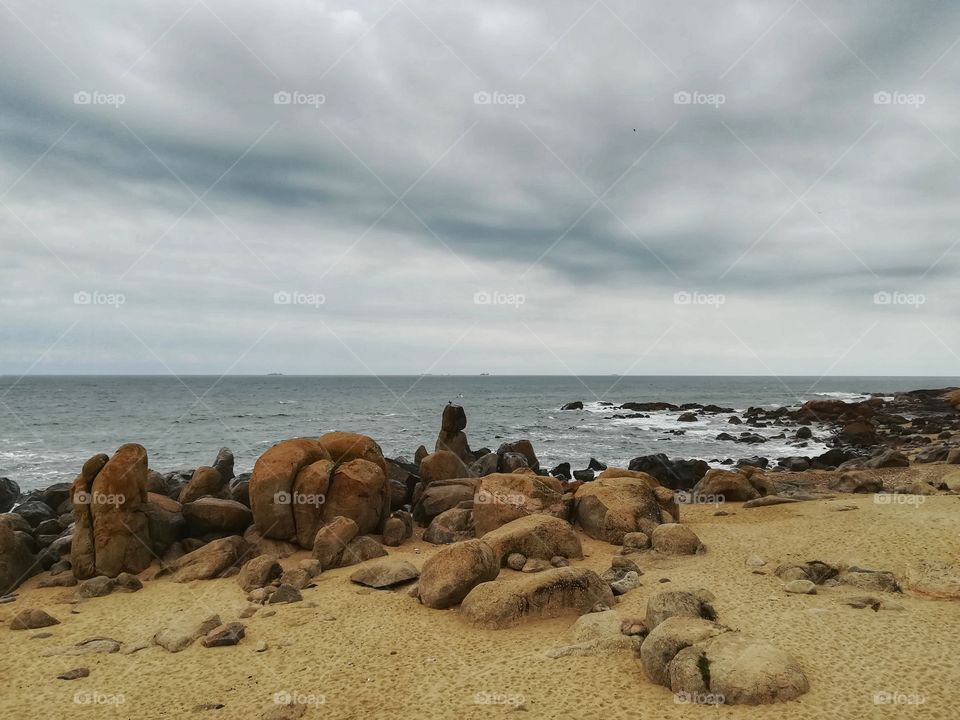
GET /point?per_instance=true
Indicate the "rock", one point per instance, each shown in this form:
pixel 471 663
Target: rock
pixel 547 594
pixel 206 481
pixel 259 571
pixel 915 487
pixel 755 561
pixel 876 580
pixel 625 584
pixel 575 405
pixel 210 560
pixel 688 417
pixel 933 579
pixel 90 646
pixel 385 573
pixel 888 458
pixel 595 464
pixel 32 619
pixel 34 512
pixel 516 561
pixel 215 515
pixel 359 550
pixel 535 565
pixel 676 539
pixel 439 496
pixel 223 464
pixel 165 522
pixel 859 432
pixel 679 603
pixel 738 668
pixel 610 507
pixel 794 464
pixel 442 465
pixel 486 464
pixel 298 578
pixel 9 492
pixel 260 545
pixel 285 594
pixel 17 562
pixel 332 539
pixel 670 637
pixel 180 635
pixel 512 463
pixel 394 532
pixel 768 500
pixel 733 485
pixel 225 635
pixel 803 433
pixel 450 526
pixel 272 485
pixel 800 587
pixel 556 561
pixel 503 497
pixel 59 580
pixel 534 536
pixel 674 474
pixel 74 674
pixel 358 491
pixel 111 533
pixel 454 418
pixel 96 587
pixel 453 571
pixel 522 447
pixel 855 482
pixel 596 633
pixel 346 446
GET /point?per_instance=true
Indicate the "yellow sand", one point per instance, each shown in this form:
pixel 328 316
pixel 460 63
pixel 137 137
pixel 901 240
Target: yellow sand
pixel 373 654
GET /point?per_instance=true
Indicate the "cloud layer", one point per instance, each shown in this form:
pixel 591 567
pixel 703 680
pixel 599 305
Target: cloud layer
pixel 407 187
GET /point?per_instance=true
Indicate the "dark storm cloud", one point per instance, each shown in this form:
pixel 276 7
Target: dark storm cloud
pixel 586 184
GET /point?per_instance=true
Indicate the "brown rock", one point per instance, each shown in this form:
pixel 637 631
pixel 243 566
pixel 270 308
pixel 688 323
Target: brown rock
pixel 610 507
pixel 259 571
pixel 451 526
pixel 205 481
pixel 442 465
pixel 534 536
pixel 359 491
pixel 503 497
pixel 359 550
pixel 332 539
pixel 454 570
pixel 210 560
pixel 215 515
pixel 224 635
pixel 309 498
pixel 32 619
pixel 346 446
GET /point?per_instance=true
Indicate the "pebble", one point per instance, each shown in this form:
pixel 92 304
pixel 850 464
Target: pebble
pixel 74 674
pixel 801 587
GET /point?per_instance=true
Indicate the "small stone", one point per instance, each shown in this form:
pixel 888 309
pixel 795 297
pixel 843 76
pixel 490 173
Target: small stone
pixel 801 587
pixel 224 635
pixel 249 611
pixel 285 594
pixel 755 561
pixel 535 565
pixel 96 587
pixel 75 674
pixel 128 582
pixel 636 541
pixel 261 646
pixel 628 582
pixel 32 619
pixel 516 561
pixel 311 566
pixel 559 561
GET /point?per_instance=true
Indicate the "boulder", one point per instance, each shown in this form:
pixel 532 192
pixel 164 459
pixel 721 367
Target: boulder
pixel 855 482
pixel 32 619
pixel 181 634
pixel 385 573
pixel 223 464
pixel 534 536
pixel 888 458
pixel 358 490
pixel 670 637
pixel 346 446
pixel 205 481
pixel 522 447
pixel 679 603
pixel 859 432
pixel 747 483
pixel 674 474
pixel 453 571
pixel 512 462
pixel 547 594
pixel 359 550
pixel 394 532
pixel 575 405
pixel 610 507
pixel 215 515
pixel 442 495
pixel 485 464
pixel 503 497
pixel 260 545
pixel 224 635
pixel 442 465
pixel 9 492
pixel 740 669
pixel 308 498
pixel 17 562
pixel 675 539
pixel 259 571
pixel 272 485
pixel 210 560
pixel 450 526
pixel 332 539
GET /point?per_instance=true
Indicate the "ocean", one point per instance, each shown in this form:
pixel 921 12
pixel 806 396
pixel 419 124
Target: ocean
pixel 50 424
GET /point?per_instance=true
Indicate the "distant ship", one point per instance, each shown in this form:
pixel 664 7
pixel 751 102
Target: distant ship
pixel 484 374
pixel 273 374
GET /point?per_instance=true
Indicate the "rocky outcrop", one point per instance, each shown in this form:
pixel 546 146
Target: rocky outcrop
pixel 503 497
pixel 343 447
pixel 111 533
pixel 450 526
pixel 451 437
pixel 453 571
pixel 534 536
pixel 610 507
pixel 442 495
pixel 746 483
pixel 442 465
pixel 547 594
pixel 674 474
pixel 216 515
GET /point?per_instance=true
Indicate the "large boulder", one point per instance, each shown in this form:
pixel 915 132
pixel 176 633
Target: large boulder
pixel 17 562
pixel 259 571
pixel 385 573
pixel 551 593
pixel 610 507
pixel 9 492
pixel 739 669
pixel 111 533
pixel 503 497
pixel 361 549
pixel 450 526
pixel 451 436
pixel 746 483
pixel 674 474
pixel 853 481
pixel 272 485
pixel 359 491
pixel 165 522
pixel 675 539
pixel 309 498
pixel 453 571
pixel 679 603
pixel 215 515
pixel 332 540
pixel 615 472
pixel 670 637
pixel 442 465
pixel 520 447
pixel 205 481
pixel 534 536
pixel 210 560
pixel 440 496
pixel 346 446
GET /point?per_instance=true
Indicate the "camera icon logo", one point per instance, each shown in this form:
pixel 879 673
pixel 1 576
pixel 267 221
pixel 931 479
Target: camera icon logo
pixel 682 98
pixel 482 98
pixel 482 297
pixel 882 97
pixel 82 298
pixel 82 98
pixel 282 297
pixel 282 498
pixel 282 98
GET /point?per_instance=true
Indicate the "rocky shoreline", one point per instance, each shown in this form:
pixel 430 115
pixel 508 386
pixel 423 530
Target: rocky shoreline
pixel 494 536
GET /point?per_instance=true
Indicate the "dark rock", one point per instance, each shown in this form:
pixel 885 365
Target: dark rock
pixel 34 512
pixel 225 635
pixel 562 471
pixel 9 492
pixel 575 405
pixel 74 674
pixel 674 474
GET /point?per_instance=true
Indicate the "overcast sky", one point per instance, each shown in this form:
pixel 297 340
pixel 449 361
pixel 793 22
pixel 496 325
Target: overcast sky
pixel 529 187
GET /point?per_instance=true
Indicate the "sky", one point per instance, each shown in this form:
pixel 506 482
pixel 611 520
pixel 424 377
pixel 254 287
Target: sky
pixel 546 187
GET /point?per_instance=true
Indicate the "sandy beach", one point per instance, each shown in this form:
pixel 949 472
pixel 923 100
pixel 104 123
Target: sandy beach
pixel 355 652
